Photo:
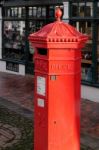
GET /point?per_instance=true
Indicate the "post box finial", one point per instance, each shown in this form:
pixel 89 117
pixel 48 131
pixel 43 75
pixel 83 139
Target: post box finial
pixel 58 14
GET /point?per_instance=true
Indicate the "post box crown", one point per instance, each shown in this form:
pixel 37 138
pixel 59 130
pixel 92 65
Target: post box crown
pixel 58 33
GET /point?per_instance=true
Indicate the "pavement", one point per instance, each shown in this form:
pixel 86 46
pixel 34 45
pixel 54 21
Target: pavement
pixel 16 93
pixel 9 135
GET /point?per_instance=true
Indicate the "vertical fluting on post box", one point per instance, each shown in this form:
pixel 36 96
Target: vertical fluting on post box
pixel 57 85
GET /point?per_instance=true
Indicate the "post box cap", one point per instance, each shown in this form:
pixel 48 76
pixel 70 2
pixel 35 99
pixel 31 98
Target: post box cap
pixel 58 34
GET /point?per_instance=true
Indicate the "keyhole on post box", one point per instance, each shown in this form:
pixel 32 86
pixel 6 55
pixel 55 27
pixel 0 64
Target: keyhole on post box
pixel 53 77
pixel 54 122
pixel 42 51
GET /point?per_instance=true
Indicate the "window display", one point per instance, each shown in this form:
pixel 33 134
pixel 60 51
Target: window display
pixel 18 23
pixel 43 11
pixel 12 66
pixel 14 40
pixel 98 53
pixel 84 9
pixel 97 10
pixel 39 12
pixel 51 11
pixel 33 27
pixel 85 17
pixel 81 9
pixel 86 28
pixel 89 9
pixel 30 11
pixel 34 11
pixel 15 12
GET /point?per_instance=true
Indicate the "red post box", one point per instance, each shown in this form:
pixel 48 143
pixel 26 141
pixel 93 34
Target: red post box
pixel 57 86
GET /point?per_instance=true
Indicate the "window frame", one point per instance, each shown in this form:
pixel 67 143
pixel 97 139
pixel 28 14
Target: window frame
pixel 94 19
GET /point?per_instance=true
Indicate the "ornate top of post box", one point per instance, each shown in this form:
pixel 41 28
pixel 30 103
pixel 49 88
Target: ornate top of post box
pixel 58 35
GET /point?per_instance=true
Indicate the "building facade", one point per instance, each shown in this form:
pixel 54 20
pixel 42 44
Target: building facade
pixel 20 18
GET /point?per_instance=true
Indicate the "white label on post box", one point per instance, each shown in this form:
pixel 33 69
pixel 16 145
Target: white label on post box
pixel 41 85
pixel 40 102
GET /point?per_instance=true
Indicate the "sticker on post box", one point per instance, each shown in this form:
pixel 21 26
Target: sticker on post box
pixel 41 85
pixel 40 102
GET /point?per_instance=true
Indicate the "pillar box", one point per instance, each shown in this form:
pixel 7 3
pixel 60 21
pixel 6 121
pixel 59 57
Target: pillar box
pixel 57 86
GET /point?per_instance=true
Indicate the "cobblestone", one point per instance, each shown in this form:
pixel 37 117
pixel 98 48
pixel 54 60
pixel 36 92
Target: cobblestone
pixel 9 135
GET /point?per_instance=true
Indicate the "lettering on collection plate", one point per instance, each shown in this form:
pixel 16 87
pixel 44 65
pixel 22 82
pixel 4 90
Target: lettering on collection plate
pixel 62 67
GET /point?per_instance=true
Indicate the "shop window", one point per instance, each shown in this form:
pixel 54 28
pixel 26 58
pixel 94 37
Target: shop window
pixel 97 10
pixel 84 9
pixel 39 12
pixel 81 8
pixel 74 10
pixel 30 11
pixel 86 28
pixel 89 9
pixel 51 12
pixel 36 25
pixel 15 12
pixel 34 11
pixel 14 40
pixel 22 11
pixel 98 54
pixel 33 27
pixel 43 11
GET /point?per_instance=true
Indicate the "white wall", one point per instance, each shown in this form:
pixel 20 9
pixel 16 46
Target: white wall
pixel 90 93
pixel 3 68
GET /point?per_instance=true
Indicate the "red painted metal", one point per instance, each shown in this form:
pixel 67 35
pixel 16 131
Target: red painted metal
pixel 57 86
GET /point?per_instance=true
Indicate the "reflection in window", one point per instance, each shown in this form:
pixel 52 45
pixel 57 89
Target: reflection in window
pixel 37 12
pixel 22 12
pixel 89 9
pixel 82 9
pixel 34 11
pixel 86 28
pixel 33 27
pixel 51 11
pixel 15 12
pixel 75 9
pixel 30 11
pixel 43 11
pixel 97 11
pixel 98 52
pixel 36 25
pixel 14 40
